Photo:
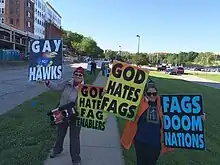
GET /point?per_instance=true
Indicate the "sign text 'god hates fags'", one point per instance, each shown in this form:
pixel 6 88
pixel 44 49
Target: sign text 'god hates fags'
pixel 45 59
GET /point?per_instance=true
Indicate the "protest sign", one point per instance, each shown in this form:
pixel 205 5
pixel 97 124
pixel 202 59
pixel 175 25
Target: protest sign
pixel 45 61
pixel 124 90
pixel 183 124
pixel 89 114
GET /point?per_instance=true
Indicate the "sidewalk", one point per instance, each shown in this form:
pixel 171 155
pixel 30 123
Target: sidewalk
pixel 97 147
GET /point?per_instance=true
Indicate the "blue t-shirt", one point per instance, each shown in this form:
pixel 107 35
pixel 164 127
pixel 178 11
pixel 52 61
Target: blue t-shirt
pixel 149 126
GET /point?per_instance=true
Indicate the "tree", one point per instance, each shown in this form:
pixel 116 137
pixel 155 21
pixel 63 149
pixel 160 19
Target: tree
pixel 110 54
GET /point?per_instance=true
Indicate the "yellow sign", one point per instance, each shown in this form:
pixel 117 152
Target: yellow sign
pixel 89 114
pixel 124 90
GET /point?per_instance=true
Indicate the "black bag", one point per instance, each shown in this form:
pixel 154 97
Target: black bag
pixel 62 114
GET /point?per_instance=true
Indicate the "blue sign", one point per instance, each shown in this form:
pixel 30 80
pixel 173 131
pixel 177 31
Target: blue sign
pixel 182 119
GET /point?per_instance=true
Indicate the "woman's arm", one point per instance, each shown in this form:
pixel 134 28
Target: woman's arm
pixel 56 87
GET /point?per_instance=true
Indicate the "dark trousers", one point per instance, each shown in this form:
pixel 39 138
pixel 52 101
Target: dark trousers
pixel 74 135
pixel 146 154
pixel 92 71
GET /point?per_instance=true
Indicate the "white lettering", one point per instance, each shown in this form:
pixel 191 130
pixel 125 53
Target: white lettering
pixel 57 45
pixel 46 73
pixel 39 74
pixel 35 46
pixel 59 71
pixel 46 47
pixel 53 72
pixel 32 72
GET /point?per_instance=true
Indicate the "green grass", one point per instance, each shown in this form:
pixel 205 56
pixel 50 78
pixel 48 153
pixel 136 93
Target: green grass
pixel 25 132
pixel 211 156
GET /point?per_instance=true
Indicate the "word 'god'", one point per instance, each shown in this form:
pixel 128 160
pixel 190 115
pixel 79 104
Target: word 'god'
pixel 91 97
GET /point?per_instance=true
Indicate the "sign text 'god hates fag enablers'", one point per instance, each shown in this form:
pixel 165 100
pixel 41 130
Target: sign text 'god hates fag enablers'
pixel 124 90
pixel 183 124
pixel 89 114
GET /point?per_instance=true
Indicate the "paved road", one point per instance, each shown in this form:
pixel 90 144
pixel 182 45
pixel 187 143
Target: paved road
pixel 201 81
pixel 15 88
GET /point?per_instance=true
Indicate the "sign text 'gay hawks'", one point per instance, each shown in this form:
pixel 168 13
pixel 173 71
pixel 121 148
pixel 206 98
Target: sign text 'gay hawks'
pixel 45 60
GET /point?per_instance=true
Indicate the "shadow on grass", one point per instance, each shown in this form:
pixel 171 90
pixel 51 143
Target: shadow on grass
pixel 212 125
pixel 25 132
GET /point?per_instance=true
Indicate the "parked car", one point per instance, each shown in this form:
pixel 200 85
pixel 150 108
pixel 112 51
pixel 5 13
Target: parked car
pixel 170 71
pixel 179 70
pixel 161 68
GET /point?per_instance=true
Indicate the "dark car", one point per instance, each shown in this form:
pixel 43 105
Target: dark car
pixel 170 71
pixel 179 70
pixel 161 68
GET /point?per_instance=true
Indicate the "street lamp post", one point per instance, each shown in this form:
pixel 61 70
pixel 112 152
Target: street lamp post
pixel 120 50
pixel 138 36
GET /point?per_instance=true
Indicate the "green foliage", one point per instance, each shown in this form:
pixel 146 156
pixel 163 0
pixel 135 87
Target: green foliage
pixel 182 58
pixel 81 45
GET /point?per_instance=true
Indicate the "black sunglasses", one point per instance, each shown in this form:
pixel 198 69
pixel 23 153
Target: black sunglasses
pixel 78 75
pixel 151 93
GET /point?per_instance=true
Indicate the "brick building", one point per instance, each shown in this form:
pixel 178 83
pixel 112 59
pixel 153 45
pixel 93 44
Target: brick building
pixel 20 14
pixel 51 31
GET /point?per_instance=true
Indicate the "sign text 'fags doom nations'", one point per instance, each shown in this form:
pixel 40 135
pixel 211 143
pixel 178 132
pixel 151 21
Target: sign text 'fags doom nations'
pixel 183 124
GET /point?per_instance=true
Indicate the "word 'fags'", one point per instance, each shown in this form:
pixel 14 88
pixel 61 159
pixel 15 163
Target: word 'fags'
pixel 45 73
pixel 186 104
pixel 47 46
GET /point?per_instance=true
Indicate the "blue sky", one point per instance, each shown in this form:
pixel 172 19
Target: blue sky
pixel 164 25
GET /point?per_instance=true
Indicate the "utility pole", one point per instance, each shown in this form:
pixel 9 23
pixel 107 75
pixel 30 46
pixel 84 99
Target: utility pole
pixel 138 46
pixel 120 50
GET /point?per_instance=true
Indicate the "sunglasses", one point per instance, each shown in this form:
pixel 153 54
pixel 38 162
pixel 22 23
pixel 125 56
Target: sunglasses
pixel 78 75
pixel 151 93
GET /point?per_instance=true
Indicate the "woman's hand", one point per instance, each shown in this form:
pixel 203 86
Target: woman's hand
pixel 203 116
pixel 43 81
pixel 104 92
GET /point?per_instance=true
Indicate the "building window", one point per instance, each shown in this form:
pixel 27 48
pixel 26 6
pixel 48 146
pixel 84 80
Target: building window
pixel 29 14
pixel 2 1
pixel 2 20
pixel 17 2
pixel 17 10
pixel 11 21
pixel 2 10
pixel 29 4
pixel 18 22
pixel 29 24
